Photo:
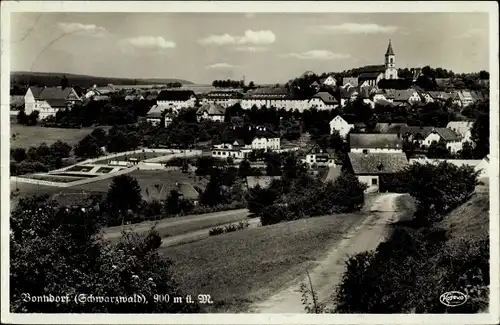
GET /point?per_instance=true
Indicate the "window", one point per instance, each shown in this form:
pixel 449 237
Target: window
pixel 374 181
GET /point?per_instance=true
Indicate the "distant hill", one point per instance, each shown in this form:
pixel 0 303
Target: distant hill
pixel 54 79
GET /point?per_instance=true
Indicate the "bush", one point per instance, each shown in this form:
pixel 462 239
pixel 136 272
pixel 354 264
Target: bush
pixel 230 228
pixel 216 231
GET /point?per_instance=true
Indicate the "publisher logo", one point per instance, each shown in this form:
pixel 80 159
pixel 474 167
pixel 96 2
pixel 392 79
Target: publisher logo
pixel 453 298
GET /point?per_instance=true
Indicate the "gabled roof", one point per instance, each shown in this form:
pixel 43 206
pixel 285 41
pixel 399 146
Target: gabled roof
pixel 447 134
pixel 353 81
pixel 373 141
pixel 36 91
pixel 424 131
pixel 188 192
pixel 211 109
pixel 374 163
pixel 175 95
pixel 268 92
pixel 326 97
pixel 55 93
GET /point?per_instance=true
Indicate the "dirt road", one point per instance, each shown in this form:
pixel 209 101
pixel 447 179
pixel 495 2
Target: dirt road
pixel 115 232
pixel 329 271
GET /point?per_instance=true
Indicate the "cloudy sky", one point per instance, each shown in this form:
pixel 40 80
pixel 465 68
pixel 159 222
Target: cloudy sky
pixel 264 47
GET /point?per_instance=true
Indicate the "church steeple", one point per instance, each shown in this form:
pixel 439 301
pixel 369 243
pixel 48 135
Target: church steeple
pixel 390 51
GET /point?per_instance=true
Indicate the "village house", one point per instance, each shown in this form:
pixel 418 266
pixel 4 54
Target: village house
pixel 339 124
pixel 278 97
pixel 235 150
pixel 329 81
pixel 375 142
pixel 176 99
pixel 319 158
pixel 214 112
pixel 426 97
pixel 265 140
pixel 438 96
pixel 349 82
pixel 480 165
pixel 466 98
pixel 382 97
pixel 223 98
pixel 155 114
pixel 323 100
pixel 409 96
pixel 370 167
pixel 49 100
pixel 370 78
pixel 462 128
pixel 134 97
pixel 451 138
pixel 417 134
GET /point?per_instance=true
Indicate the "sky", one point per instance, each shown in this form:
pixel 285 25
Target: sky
pixel 262 47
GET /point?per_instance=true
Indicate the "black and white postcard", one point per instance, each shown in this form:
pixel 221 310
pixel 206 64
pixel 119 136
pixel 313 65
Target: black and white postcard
pixel 226 162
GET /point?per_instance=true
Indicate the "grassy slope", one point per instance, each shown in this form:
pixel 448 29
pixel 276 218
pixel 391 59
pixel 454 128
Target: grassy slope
pixel 239 268
pixel 146 178
pixel 470 219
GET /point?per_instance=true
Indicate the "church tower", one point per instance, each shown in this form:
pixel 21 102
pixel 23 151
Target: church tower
pixel 390 63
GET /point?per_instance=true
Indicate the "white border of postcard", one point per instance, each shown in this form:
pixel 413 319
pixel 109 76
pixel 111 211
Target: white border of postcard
pixel 490 7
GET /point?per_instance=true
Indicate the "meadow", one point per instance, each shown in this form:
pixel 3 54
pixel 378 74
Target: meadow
pixel 243 267
pixel 147 178
pixel 27 136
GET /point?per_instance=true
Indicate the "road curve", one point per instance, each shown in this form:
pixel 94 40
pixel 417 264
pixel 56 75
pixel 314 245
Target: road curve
pixel 327 275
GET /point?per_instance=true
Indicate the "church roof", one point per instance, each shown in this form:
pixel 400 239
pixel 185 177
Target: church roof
pixel 390 51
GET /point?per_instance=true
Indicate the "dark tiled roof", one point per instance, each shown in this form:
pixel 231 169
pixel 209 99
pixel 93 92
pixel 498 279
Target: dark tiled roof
pixel 72 199
pixel 382 141
pixel 424 131
pixel 390 51
pixel 268 92
pixel 55 93
pixel 377 163
pixel 57 102
pixel 175 95
pixel 326 97
pixel 188 191
pixel 36 91
pixel 448 134
pixel 373 68
pixel 369 75
pixel 211 109
pixel 333 173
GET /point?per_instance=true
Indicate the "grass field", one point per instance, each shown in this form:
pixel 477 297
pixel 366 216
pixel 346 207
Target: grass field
pixel 27 136
pixel 239 268
pixel 147 178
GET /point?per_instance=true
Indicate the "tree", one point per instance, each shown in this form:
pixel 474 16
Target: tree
pixel 438 150
pixel 467 151
pixel 64 82
pixel 88 147
pixel 481 135
pixel 60 149
pixel 273 164
pixel 484 75
pixel 124 194
pixel 19 154
pixel 251 85
pixel 58 251
pixel 22 118
pixel 212 195
pixel 244 168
